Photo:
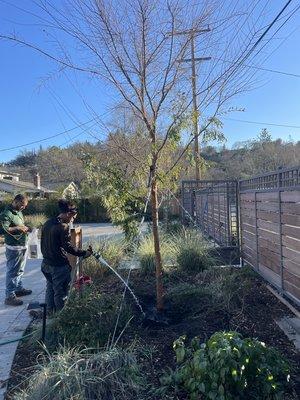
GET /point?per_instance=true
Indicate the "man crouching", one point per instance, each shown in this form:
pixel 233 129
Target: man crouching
pixel 55 244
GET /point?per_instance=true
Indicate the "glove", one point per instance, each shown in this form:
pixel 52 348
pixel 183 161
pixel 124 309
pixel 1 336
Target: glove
pixel 89 252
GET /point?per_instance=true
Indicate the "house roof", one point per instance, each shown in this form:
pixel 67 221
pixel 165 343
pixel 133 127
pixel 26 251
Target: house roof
pixel 8 173
pixel 26 186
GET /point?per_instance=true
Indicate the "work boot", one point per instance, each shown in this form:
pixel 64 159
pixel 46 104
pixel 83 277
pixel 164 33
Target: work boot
pixel 23 292
pixel 13 301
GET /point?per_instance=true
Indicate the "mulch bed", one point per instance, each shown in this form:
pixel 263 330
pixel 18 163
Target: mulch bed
pixel 256 319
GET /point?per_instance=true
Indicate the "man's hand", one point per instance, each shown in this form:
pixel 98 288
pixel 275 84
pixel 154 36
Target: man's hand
pixel 18 229
pixel 24 229
pixel 89 252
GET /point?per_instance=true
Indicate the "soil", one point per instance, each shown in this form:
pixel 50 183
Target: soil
pixel 24 364
pixel 255 317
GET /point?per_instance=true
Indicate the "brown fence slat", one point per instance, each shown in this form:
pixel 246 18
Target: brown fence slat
pixel 293 220
pixel 270 275
pixel 291 266
pixel 291 231
pixel 291 196
pixel 267 196
pixel 247 228
pixel 293 290
pixel 268 216
pixel 291 243
pixel 275 248
pixel 268 226
pixel 291 254
pixel 269 235
pixel 290 208
pixel 291 278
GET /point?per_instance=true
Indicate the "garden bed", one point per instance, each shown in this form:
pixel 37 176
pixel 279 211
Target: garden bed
pixel 197 303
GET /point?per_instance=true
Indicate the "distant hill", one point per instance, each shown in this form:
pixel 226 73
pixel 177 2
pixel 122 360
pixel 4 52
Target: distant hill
pixel 58 167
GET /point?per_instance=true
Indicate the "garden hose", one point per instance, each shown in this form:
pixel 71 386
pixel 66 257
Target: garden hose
pixel 17 340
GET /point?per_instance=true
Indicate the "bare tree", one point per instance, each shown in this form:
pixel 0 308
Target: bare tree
pixel 133 46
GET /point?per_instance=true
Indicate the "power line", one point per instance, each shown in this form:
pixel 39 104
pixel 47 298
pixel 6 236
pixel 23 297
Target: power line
pixel 262 123
pixel 47 138
pixel 267 30
pixel 262 69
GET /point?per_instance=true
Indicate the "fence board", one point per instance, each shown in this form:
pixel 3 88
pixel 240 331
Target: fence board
pixel 269 245
pixel 249 259
pixel 267 206
pixel 291 266
pixel 290 208
pixel 270 275
pixel 250 244
pixel 267 196
pixel 247 196
pixel 269 259
pixel 291 278
pixel 293 290
pixel 247 228
pixel 268 216
pixel 269 226
pixel 291 231
pixel 291 243
pixel 291 254
pixel 249 221
pixel 289 219
pixel 291 196
pixel 269 235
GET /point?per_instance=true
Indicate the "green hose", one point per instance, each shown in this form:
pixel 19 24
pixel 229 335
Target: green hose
pixel 16 340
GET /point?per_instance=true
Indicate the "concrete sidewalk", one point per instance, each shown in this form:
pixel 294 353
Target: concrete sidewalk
pixel 14 320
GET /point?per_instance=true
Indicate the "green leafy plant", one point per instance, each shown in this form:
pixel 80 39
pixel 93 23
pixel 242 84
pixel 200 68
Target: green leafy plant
pixel 192 252
pixel 89 319
pixel 228 367
pixel 112 250
pixel 82 375
pixel 146 255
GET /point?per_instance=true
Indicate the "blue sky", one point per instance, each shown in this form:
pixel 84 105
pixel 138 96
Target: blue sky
pixel 34 104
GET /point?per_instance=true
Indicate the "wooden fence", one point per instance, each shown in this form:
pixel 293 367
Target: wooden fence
pixel 270 228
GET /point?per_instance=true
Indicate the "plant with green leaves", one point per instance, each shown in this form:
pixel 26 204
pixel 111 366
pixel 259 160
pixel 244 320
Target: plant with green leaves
pixel 89 319
pixel 192 252
pixel 85 375
pixel 146 253
pixel 227 367
pixel 35 220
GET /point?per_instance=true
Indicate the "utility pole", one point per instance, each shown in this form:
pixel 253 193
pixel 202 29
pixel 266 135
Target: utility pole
pixel 193 60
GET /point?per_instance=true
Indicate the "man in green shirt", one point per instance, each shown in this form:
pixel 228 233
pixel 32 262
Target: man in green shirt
pixel 15 232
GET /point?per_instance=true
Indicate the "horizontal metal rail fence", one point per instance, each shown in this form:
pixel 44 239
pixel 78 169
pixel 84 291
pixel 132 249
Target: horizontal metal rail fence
pixel 213 207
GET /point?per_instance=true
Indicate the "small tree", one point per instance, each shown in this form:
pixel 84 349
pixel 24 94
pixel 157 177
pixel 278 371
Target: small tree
pixel 135 47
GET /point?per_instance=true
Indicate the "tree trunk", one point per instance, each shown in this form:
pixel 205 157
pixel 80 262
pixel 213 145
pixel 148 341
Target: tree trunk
pixel 158 261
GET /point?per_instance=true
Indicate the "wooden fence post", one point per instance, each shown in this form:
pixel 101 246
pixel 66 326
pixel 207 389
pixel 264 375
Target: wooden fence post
pixel 76 240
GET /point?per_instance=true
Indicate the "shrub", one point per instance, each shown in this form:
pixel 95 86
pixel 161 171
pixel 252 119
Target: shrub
pixel 35 220
pixel 228 367
pixel 173 227
pixel 193 253
pixel 146 255
pixel 90 319
pixel 112 250
pixel 81 375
